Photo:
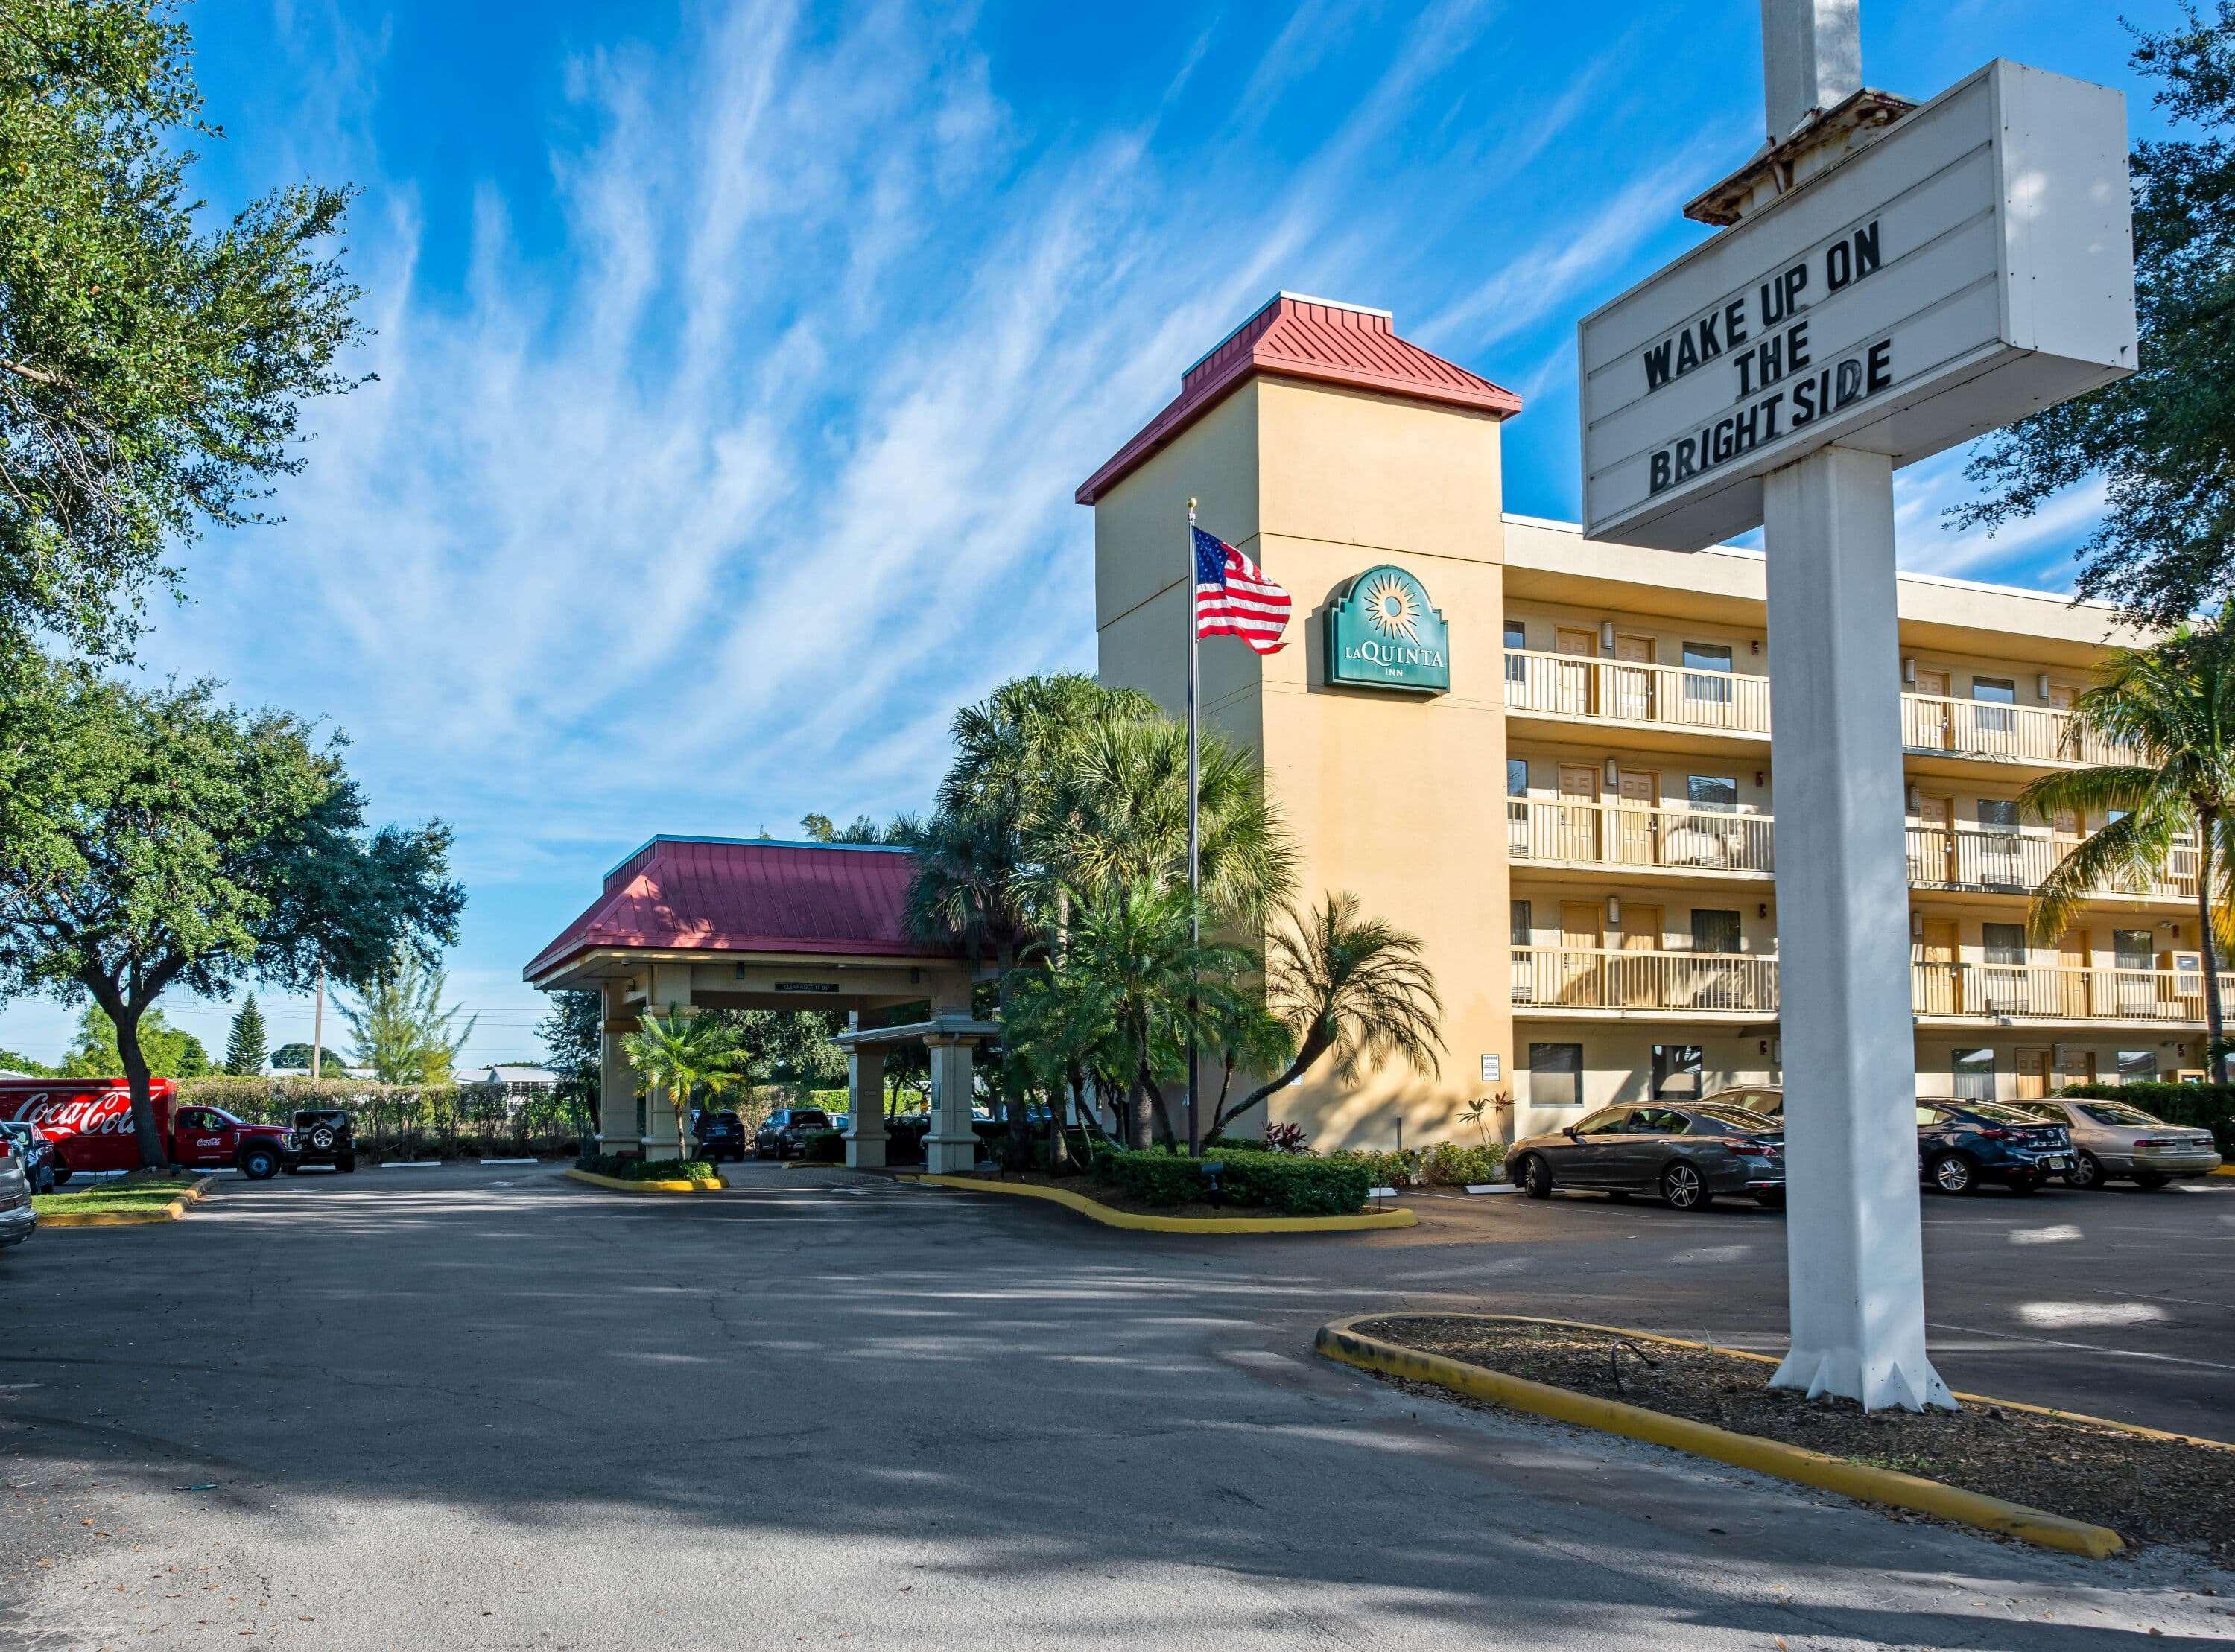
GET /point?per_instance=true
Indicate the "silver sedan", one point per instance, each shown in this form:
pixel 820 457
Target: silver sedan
pixel 2115 1142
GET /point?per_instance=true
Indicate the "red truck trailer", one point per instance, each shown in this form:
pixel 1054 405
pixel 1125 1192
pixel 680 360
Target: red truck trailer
pixel 90 1122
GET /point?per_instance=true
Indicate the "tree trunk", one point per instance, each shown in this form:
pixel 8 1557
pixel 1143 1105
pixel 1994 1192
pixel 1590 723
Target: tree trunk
pixel 1161 1111
pixel 2208 832
pixel 1140 1123
pixel 154 1151
pixel 1315 1045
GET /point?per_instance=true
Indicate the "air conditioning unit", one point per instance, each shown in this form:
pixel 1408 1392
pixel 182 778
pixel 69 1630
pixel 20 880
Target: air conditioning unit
pixel 2187 969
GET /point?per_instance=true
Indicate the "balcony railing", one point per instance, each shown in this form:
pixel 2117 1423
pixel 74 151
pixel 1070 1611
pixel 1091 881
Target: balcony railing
pixel 1984 857
pixel 1576 979
pixel 1594 978
pixel 2057 992
pixel 1573 685
pixel 1932 722
pixel 1619 834
pixel 1570 685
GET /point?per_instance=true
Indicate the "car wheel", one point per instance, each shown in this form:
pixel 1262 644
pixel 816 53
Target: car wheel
pixel 1952 1173
pixel 2086 1173
pixel 260 1163
pixel 1682 1189
pixel 2150 1180
pixel 1537 1178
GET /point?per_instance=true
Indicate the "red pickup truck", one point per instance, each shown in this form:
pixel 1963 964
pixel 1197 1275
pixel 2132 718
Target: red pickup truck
pixel 90 1122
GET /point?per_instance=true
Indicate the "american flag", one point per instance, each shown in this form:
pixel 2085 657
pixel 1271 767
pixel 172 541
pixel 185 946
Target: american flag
pixel 1233 597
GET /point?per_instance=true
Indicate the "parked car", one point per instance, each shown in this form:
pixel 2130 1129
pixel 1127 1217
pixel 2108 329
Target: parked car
pixel 19 1221
pixel 2113 1141
pixel 784 1135
pixel 1686 1155
pixel 719 1135
pixel 34 1152
pixel 89 1123
pixel 324 1136
pixel 1962 1144
pixel 1767 1100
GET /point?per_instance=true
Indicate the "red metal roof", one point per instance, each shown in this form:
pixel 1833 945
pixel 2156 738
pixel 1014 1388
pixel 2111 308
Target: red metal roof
pixel 1306 338
pixel 736 895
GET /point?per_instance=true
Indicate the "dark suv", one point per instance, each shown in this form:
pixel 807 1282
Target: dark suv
pixel 720 1135
pixel 1962 1144
pixel 324 1136
pixel 784 1135
pixel 35 1154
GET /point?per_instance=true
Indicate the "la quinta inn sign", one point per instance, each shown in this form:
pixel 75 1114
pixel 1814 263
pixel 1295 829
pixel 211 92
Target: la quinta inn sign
pixel 1384 633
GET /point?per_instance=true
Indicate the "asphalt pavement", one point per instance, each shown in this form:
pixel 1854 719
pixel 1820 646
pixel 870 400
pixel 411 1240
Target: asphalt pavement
pixel 494 1408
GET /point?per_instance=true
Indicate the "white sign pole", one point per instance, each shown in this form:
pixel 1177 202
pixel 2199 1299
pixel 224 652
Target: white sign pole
pixel 1853 1240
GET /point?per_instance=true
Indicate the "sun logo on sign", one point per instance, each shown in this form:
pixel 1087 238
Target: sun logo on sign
pixel 1392 609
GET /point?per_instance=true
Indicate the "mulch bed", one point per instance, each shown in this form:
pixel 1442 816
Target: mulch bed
pixel 1104 1193
pixel 2149 1491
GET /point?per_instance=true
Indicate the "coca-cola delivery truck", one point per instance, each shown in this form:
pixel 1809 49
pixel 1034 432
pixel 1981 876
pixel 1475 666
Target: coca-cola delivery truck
pixel 90 1122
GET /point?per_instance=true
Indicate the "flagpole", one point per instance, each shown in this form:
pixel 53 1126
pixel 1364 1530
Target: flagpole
pixel 1195 866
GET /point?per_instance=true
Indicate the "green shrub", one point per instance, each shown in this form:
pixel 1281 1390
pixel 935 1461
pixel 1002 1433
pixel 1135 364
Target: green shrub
pixel 1393 1169
pixel 1451 1164
pixel 2199 1107
pixel 625 1169
pixel 1283 1182
pixel 824 1147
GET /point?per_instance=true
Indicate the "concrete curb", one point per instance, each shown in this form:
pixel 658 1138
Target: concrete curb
pixel 170 1212
pixel 1338 1340
pixel 1139 1223
pixel 616 1184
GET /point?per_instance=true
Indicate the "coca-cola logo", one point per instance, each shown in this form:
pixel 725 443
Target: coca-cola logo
pixel 106 1113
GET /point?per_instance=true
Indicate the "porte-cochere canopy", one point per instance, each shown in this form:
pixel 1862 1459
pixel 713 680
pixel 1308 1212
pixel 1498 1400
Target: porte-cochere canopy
pixel 691 923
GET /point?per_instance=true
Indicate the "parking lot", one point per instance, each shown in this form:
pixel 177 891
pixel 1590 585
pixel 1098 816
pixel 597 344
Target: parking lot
pixel 340 1412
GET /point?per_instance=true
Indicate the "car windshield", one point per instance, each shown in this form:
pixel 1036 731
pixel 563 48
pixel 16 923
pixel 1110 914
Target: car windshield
pixel 1995 1113
pixel 808 1116
pixel 224 1121
pixel 2116 1112
pixel 1730 1117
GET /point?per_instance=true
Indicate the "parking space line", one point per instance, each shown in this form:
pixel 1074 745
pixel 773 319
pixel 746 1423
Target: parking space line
pixel 2090 1348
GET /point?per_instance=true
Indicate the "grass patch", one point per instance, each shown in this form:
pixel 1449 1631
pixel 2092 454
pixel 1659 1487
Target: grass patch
pixel 141 1193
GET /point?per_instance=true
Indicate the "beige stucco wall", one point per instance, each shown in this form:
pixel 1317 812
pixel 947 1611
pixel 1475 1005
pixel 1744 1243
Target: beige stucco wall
pixel 1382 793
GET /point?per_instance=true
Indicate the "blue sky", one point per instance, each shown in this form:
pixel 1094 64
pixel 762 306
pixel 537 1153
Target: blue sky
pixel 737 360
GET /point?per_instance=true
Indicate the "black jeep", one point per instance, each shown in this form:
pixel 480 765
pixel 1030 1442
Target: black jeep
pixel 720 1135
pixel 324 1136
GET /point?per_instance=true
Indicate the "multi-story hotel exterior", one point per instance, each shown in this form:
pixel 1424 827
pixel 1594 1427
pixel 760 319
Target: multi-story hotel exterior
pixel 1582 828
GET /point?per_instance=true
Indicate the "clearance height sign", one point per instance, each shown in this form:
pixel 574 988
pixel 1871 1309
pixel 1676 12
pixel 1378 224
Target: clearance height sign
pixel 1967 266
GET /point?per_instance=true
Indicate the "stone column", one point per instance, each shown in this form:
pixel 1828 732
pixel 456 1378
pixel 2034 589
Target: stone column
pixel 664 1126
pixel 617 1132
pixel 951 1149
pixel 865 1104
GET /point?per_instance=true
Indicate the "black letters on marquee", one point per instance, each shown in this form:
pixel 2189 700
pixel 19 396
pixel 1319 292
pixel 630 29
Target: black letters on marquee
pixel 1781 386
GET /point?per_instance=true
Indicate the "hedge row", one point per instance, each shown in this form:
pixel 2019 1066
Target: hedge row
pixel 1288 1182
pixel 624 1168
pixel 2199 1107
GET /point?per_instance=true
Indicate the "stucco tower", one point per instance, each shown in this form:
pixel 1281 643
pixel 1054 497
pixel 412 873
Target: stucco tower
pixel 1323 445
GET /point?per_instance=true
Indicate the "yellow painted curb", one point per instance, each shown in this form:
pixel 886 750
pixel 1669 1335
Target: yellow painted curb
pixel 1338 1340
pixel 1141 1223
pixel 170 1212
pixel 2225 1170
pixel 620 1186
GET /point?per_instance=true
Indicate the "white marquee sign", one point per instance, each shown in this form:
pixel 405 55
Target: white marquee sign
pixel 1970 266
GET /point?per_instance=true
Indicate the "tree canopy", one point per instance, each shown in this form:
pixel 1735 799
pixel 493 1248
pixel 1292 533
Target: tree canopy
pixel 170 1052
pixel 248 1043
pixel 2163 440
pixel 296 1054
pixel 156 840
pixel 402 1031
pixel 152 366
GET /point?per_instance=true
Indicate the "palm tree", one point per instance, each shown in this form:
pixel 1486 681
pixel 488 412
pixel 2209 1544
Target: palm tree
pixel 1134 989
pixel 2174 704
pixel 1353 987
pixel 685 1055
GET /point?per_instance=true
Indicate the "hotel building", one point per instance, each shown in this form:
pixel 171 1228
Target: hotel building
pixel 1573 803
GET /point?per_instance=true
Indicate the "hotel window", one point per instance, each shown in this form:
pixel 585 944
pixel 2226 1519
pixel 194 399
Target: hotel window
pixel 1994 692
pixel 1676 1069
pixel 1713 794
pixel 2004 944
pixel 1516 777
pixel 1974 1075
pixel 1706 673
pixel 1556 1075
pixel 1517 634
pixel 1517 671
pixel 1525 924
pixel 1714 931
pixel 2137 1066
pixel 1998 813
pixel 2134 948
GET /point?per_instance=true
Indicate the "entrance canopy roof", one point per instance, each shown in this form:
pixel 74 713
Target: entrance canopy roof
pixel 684 898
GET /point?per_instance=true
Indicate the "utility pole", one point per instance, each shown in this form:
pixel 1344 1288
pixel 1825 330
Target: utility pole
pixel 318 1024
